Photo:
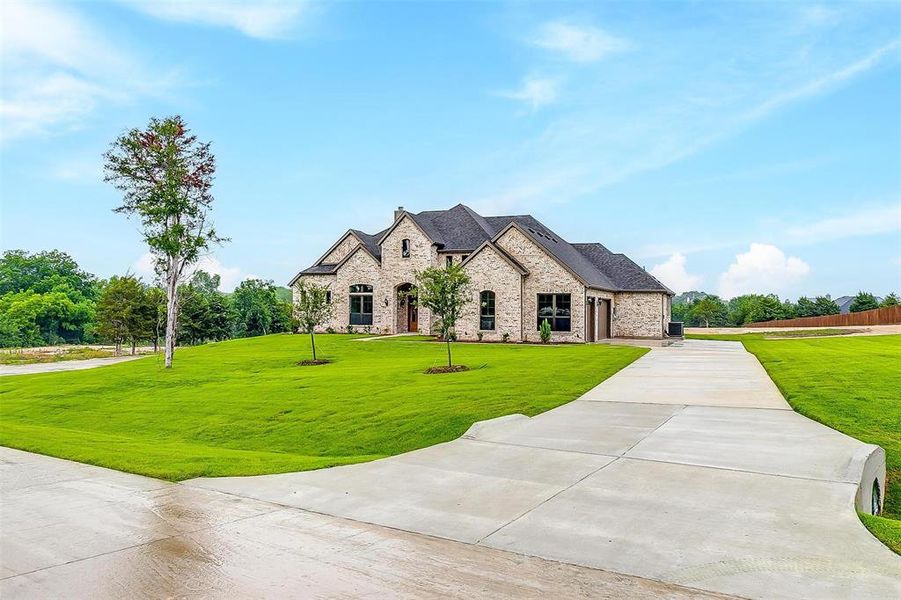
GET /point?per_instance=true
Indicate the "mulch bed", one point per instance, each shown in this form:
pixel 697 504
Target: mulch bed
pixel 453 369
pixel 313 363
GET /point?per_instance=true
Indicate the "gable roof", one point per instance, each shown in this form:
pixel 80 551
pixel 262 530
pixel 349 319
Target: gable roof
pixel 461 229
pixel 500 252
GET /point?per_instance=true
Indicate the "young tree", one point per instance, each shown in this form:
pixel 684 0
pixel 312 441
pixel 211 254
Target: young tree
pixel 863 301
pixel 156 303
pixel 166 176
pixel 544 332
pixel 312 309
pixel 444 292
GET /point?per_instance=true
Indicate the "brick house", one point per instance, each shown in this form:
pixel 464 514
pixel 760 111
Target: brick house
pixel 522 273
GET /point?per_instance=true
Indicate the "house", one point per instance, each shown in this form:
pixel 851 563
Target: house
pixel 522 274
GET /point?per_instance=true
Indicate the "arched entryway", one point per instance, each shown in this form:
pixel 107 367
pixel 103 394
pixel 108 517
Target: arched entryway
pixel 407 311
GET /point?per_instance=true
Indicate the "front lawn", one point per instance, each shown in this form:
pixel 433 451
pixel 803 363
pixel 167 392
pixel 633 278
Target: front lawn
pixel 850 384
pixel 244 407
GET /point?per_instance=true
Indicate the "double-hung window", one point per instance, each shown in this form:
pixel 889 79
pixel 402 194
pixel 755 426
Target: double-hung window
pixel 486 311
pixel 361 304
pixel 556 310
pixel 405 248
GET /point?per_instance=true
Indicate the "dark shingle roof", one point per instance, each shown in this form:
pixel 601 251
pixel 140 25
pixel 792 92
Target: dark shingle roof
pixel 320 269
pixel 461 229
pixel 622 271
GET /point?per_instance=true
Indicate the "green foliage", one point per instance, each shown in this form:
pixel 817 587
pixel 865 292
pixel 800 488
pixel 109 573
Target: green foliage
pixel 43 272
pixel 444 292
pixel 204 311
pixel 889 300
pixel 242 407
pixel 544 332
pixel 257 309
pixel 863 301
pixel 754 308
pixel 125 312
pixel 708 311
pixel 825 306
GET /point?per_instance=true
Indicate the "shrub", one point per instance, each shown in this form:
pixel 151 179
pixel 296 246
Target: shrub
pixel 545 332
pixel 330 330
pixel 349 329
pixel 480 335
pixel 506 337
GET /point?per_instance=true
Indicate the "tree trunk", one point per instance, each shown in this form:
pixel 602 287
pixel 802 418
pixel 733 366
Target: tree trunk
pixel 118 348
pixel 449 363
pixel 313 342
pixel 171 308
pixel 132 347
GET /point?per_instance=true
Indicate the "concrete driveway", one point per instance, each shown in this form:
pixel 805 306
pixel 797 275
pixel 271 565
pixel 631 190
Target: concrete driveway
pixel 69 530
pixel 686 467
pixel 63 365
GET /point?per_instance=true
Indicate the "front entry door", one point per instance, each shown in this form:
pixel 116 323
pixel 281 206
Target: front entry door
pixel 591 320
pixel 603 319
pixel 412 315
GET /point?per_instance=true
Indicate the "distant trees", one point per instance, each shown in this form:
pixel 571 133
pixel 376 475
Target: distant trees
pixel 166 176
pixel 889 300
pixel 125 312
pixel 863 301
pixel 204 311
pixel 45 298
pixel 697 309
pixel 257 309
pixel 444 292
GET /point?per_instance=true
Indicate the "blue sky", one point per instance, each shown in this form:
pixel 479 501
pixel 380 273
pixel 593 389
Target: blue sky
pixel 728 147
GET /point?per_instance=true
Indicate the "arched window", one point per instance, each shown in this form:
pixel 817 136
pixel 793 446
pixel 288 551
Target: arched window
pixel 486 311
pixel 405 248
pixel 361 304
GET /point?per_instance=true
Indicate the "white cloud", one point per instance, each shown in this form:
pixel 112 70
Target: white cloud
pixel 764 268
pixel 673 275
pixel 58 69
pixel 230 277
pixel 264 19
pixel 580 43
pixel 535 91
pixel 872 221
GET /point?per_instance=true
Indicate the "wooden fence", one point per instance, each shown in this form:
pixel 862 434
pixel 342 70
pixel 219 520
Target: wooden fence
pixel 891 315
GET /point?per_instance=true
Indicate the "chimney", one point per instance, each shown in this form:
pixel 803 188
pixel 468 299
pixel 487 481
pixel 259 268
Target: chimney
pixel 398 212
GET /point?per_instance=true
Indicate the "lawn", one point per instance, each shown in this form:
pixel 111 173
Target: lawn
pixel 850 384
pixel 244 407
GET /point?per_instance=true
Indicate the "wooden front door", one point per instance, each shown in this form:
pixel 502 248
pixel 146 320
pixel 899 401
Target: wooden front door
pixel 603 319
pixel 412 315
pixel 591 320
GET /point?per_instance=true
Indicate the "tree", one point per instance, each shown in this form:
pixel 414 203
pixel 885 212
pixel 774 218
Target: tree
pixel 544 332
pixel 863 301
pixel 444 292
pixel 312 308
pixel 204 311
pixel 43 272
pixel 156 302
pixel 122 312
pixel 889 300
pixel 707 310
pixel 825 305
pixel 166 176
pixel 805 307
pixel 257 310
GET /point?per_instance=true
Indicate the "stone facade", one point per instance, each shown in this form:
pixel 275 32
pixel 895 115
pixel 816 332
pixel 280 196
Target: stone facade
pixel 640 314
pixel 489 271
pixel 546 276
pixel 516 284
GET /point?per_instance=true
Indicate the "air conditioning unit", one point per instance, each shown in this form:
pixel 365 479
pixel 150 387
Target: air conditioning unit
pixel 675 329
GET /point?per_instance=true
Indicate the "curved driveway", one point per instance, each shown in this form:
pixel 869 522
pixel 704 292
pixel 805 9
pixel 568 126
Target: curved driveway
pixel 686 467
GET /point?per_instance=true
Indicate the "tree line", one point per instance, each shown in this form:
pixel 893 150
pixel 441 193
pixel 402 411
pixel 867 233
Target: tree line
pixel 47 299
pixel 698 309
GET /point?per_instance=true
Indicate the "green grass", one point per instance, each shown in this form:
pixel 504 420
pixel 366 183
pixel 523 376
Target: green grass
pixel 850 384
pixel 243 407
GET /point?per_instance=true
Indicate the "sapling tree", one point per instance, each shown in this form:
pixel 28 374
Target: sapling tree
pixel 311 309
pixel 166 176
pixel 544 332
pixel 444 292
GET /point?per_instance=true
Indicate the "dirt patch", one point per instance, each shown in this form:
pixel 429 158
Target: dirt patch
pixel 453 369
pixel 313 363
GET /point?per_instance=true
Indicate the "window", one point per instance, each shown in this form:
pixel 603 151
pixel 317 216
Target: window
pixel 361 304
pixel 464 257
pixel 328 297
pixel 556 309
pixel 449 261
pixel 405 248
pixel 486 311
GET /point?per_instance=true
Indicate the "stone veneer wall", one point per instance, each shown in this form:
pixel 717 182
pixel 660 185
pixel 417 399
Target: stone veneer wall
pixel 349 243
pixel 489 271
pixel 361 268
pixel 546 276
pixel 640 314
pixel 397 270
